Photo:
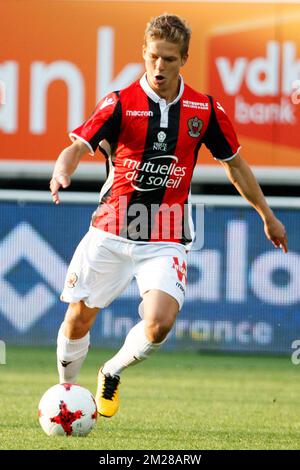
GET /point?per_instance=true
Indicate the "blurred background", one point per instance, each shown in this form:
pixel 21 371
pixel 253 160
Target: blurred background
pixel 57 59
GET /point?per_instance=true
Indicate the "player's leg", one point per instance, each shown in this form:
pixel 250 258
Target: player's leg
pixel 144 339
pixel 163 294
pixel 73 340
pixel 97 274
pixel 160 311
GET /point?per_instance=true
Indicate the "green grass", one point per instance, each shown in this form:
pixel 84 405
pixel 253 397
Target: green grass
pixel 172 401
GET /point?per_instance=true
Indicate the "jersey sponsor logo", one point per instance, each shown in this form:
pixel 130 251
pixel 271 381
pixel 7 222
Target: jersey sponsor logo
pixel 195 125
pixel 180 269
pixel 160 145
pixel 195 105
pixel 107 102
pixel 155 173
pixel 139 113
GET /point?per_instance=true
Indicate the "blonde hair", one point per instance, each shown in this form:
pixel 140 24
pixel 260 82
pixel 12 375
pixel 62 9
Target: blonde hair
pixel 172 28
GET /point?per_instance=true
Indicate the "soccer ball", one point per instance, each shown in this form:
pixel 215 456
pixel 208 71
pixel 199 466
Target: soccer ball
pixel 67 410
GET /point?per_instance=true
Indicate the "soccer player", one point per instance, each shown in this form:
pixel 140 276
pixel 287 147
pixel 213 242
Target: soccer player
pixel 150 134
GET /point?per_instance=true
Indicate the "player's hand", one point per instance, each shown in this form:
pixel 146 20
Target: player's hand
pixel 57 182
pixel 275 232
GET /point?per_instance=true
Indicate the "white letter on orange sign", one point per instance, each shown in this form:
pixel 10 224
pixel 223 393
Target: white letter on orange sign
pixel 9 74
pixel 41 77
pixel 269 66
pixel 105 69
pixel 291 67
pixel 231 77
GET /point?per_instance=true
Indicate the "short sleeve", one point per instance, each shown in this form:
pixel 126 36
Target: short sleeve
pixel 220 137
pixel 104 123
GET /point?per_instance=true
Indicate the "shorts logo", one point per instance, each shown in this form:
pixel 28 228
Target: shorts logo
pixel 181 270
pixel 71 281
pixel 195 125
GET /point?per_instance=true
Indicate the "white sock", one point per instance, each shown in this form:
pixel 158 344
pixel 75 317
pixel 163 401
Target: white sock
pixel 70 356
pixel 135 349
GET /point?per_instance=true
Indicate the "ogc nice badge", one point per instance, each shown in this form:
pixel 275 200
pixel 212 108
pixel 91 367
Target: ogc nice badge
pixel 195 125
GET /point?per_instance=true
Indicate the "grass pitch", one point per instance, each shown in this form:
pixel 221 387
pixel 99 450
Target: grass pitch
pixel 172 401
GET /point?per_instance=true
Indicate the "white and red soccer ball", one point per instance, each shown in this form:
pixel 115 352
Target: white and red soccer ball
pixel 67 409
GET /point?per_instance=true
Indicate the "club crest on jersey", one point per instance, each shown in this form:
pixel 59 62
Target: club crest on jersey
pixel 195 125
pixel 72 279
pixel 160 145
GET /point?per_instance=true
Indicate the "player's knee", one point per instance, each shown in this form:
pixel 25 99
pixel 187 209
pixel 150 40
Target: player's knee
pixel 156 332
pixel 78 319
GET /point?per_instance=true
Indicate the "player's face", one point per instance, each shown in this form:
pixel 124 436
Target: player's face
pixel 163 61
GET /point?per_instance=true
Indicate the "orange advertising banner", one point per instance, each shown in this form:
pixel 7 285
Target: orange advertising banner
pixel 58 57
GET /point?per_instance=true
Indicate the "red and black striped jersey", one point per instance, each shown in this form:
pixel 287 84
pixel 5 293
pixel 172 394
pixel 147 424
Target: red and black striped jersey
pixel 152 148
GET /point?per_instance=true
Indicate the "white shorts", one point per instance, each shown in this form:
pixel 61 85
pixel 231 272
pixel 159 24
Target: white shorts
pixel 104 265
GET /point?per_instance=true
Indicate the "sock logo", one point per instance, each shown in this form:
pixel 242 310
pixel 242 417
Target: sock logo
pixel 65 363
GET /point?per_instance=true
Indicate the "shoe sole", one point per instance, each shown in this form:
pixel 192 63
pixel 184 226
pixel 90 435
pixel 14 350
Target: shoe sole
pixel 105 416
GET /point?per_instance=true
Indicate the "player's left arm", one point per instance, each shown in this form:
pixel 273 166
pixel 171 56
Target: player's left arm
pixel 242 177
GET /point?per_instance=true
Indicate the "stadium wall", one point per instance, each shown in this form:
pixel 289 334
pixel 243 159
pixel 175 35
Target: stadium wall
pixel 242 295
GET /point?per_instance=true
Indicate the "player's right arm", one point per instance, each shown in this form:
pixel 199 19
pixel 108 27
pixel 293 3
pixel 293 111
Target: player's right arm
pixel 102 125
pixel 65 166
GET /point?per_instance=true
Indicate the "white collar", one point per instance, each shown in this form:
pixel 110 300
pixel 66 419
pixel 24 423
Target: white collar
pixel 154 97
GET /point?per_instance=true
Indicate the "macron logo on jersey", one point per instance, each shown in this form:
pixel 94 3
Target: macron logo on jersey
pixel 135 112
pixel 107 102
